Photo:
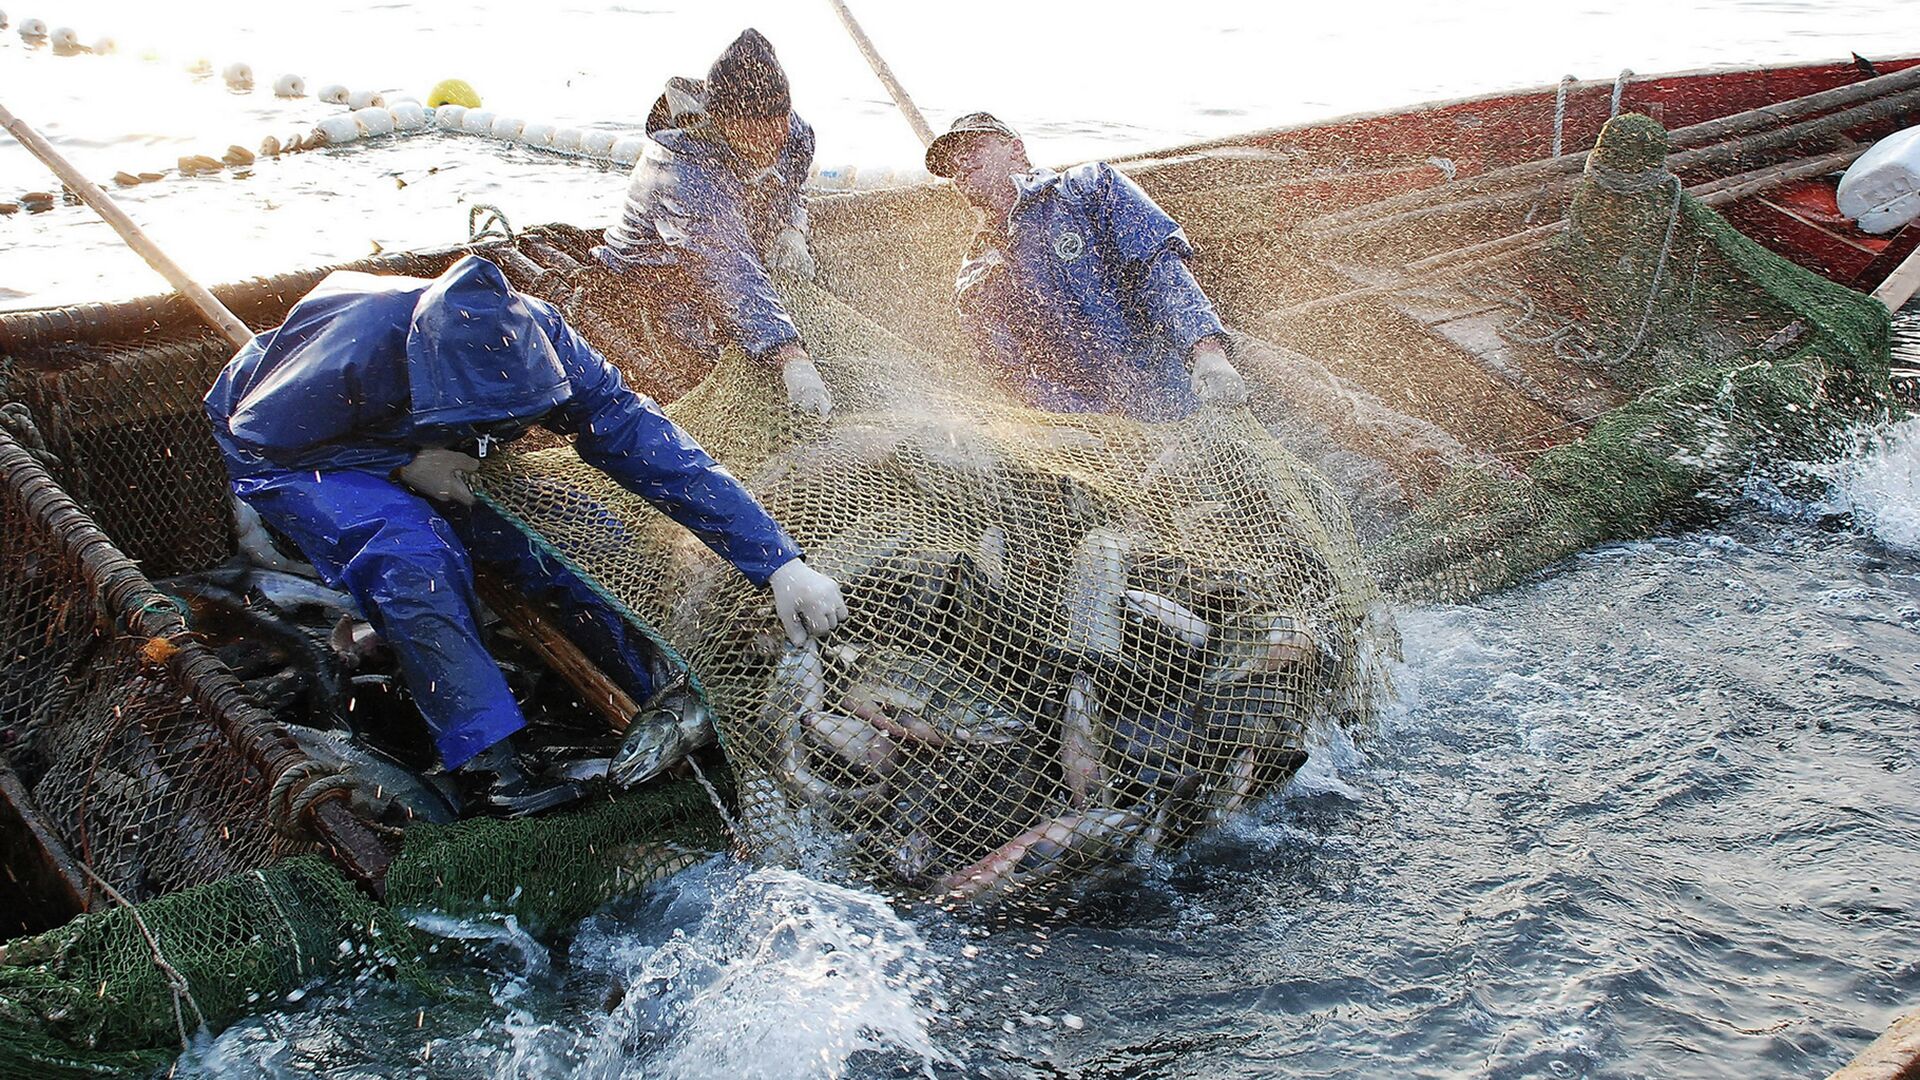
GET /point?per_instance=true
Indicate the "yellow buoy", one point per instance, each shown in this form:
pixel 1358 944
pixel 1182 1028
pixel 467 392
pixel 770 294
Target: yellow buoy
pixel 453 92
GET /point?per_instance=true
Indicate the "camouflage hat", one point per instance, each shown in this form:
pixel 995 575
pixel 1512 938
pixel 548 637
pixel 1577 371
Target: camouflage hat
pixel 940 152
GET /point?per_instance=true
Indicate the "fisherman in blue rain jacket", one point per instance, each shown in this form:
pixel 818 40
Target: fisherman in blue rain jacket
pixel 1076 287
pixel 347 426
pixel 714 204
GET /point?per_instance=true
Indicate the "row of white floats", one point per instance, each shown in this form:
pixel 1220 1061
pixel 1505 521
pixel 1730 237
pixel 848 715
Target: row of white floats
pixel 374 121
pixel 370 116
pixel 410 116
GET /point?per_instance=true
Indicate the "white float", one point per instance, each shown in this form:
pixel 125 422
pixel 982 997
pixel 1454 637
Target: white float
pixel 450 117
pixel 290 86
pixel 507 127
pixel 567 140
pixel 333 94
pixel 408 116
pixel 238 76
pixel 479 121
pixel 33 29
pixel 628 150
pixel 365 99
pixel 65 40
pixel 338 129
pixel 1881 190
pixel 374 120
pixel 105 46
pixel 537 134
pixel 598 143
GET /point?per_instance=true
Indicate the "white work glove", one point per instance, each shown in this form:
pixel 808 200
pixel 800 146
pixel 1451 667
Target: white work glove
pixel 1215 381
pixel 808 602
pixel 788 254
pixel 440 475
pixel 806 391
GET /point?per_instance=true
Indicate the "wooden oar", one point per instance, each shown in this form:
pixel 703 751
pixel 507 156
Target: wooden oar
pixel 880 68
pixel 209 305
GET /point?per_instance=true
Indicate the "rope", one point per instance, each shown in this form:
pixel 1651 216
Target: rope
pixel 293 936
pixel 177 984
pixel 17 420
pixel 496 227
pixel 1560 112
pixel 300 788
pixel 1659 273
pixel 1619 90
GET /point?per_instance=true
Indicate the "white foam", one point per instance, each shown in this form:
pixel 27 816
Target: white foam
pixel 774 974
pixel 1880 485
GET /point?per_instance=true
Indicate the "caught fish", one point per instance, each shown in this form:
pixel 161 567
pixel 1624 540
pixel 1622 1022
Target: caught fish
pixel 916 699
pixel 796 691
pixel 1094 588
pixel 382 780
pixel 1260 726
pixel 856 742
pixel 1255 771
pixel 1174 617
pixel 672 725
pixel 1059 852
pixel 1079 752
pixel 291 593
pixel 1263 644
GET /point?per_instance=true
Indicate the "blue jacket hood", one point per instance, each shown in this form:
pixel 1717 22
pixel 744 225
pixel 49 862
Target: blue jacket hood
pixel 471 351
pixel 476 354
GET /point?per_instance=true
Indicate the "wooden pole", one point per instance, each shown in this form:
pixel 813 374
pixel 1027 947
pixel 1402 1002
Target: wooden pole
pixel 880 68
pixel 210 306
pixel 1720 129
pixel 598 691
pixel 1715 193
pixel 1901 284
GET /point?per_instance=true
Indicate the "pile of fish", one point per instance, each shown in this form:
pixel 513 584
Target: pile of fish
pixel 956 741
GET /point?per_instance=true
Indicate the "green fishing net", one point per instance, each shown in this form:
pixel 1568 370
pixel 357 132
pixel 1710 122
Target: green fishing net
pixel 1732 357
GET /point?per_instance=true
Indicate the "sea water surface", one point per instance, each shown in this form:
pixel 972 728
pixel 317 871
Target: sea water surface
pixel 1651 814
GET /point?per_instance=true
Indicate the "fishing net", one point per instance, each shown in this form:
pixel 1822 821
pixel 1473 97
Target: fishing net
pixel 117 991
pixel 1073 640
pixel 97 996
pixel 552 871
pixel 1732 358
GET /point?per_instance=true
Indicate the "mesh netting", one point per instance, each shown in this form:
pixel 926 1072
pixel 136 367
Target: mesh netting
pixel 143 786
pixel 553 871
pixel 1072 637
pixel 1733 357
pixel 92 998
pixel 142 457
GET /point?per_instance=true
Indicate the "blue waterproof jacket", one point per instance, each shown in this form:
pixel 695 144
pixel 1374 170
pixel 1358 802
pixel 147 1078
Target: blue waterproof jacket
pixel 1085 301
pixel 367 370
pixel 315 414
pixel 692 206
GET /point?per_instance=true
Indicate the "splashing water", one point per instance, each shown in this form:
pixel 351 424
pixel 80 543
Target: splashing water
pixel 759 972
pixel 1880 486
